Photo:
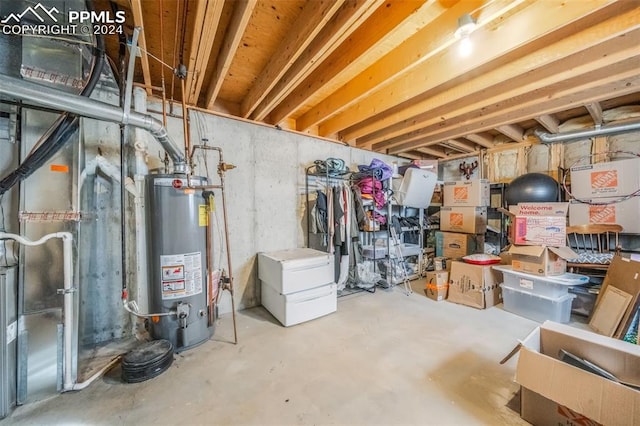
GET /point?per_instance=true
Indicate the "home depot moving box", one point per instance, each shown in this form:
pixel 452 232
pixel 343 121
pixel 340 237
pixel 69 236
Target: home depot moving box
pixel 541 260
pixel 453 245
pixel 473 193
pixel 610 179
pixel 538 224
pixel 624 213
pixel 437 285
pixel 469 220
pixel 474 285
pixel 540 371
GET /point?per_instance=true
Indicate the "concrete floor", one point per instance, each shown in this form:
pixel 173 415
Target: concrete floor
pixel 383 358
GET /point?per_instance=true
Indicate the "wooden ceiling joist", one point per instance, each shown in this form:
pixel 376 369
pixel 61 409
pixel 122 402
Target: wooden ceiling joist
pixel 506 80
pixel 550 16
pixel 312 19
pixel 241 13
pixel 595 110
pixel 346 20
pixel 483 139
pixel 399 63
pixel 512 131
pixel 459 145
pixel 384 30
pixel 593 90
pixel 549 122
pixel 208 13
pixel 554 75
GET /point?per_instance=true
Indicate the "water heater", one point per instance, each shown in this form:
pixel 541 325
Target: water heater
pixel 176 233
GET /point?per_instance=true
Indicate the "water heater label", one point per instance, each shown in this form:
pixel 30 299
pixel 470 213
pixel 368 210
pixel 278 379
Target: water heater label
pixel 181 275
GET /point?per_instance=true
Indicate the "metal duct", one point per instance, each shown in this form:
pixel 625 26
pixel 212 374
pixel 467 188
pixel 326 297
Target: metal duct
pixel 611 129
pixel 85 107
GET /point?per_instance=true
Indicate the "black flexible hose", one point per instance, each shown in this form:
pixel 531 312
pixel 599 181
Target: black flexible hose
pixel 59 137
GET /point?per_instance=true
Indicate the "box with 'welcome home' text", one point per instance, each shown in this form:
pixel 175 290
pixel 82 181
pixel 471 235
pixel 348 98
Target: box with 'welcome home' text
pixel 539 224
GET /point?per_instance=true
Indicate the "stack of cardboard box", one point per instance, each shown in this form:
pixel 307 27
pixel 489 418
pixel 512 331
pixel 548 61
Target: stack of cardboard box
pixel 463 222
pixel 602 183
pixel 463 218
pixel 539 249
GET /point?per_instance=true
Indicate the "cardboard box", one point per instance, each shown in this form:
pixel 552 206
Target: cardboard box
pixel 624 275
pixel 624 213
pixel 469 220
pixel 437 285
pixel 453 245
pixel 474 285
pixel 610 179
pixel 541 260
pixel 538 224
pixel 540 411
pixel 472 193
pixel 600 400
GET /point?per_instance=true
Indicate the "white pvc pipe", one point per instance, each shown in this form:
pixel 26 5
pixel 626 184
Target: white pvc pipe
pixel 68 311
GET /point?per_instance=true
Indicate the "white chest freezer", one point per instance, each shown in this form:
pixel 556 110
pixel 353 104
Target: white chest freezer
pixel 290 271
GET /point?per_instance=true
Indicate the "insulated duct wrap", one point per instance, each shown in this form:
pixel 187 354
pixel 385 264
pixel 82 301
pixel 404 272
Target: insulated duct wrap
pixel 84 107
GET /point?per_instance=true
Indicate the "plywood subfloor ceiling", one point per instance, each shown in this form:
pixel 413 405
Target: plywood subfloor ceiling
pixel 390 76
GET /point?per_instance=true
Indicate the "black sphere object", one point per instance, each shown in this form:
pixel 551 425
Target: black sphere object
pixel 532 188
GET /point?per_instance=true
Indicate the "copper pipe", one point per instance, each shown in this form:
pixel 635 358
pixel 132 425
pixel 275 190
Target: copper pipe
pixel 164 103
pixel 226 237
pixel 209 263
pixel 144 86
pixel 185 122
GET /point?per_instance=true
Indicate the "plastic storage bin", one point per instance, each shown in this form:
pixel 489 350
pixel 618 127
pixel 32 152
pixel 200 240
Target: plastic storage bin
pixel 536 307
pixel 551 286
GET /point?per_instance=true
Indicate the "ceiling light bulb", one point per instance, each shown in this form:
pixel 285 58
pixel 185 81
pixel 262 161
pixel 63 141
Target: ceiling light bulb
pixel 466 47
pixel 466 25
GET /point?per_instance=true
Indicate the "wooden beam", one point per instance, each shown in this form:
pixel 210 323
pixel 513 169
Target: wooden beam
pixel 312 19
pixel 432 152
pixel 482 139
pixel 399 63
pixel 622 83
pixel 241 13
pixel 595 110
pixel 511 35
pixel 383 31
pixel 549 122
pixel 512 131
pixel 459 145
pixel 411 155
pixel 344 22
pixel 542 83
pixel 138 21
pixel 502 82
pixel 208 13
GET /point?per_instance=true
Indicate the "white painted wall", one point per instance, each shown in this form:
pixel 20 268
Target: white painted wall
pixel 265 193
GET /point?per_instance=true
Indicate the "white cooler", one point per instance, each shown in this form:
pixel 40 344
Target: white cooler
pixel 297 285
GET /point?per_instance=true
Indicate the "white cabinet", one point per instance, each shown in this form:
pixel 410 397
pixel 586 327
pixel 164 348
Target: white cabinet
pixel 297 284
